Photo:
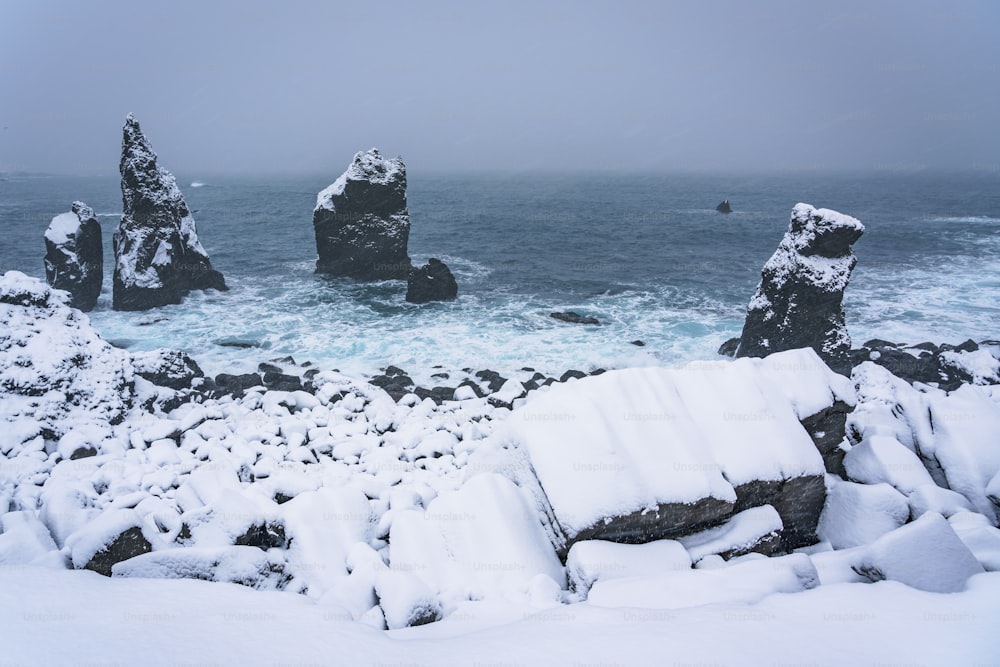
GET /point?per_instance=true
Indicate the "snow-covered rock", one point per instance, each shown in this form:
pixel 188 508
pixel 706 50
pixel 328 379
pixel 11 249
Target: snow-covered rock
pixel 924 554
pixel 405 599
pixel 24 540
pixel 980 536
pixel 743 582
pixel 361 221
pixel 590 561
pixel 952 433
pixel 881 458
pixel 236 564
pixel 74 255
pixel 857 514
pixel 485 539
pixel 158 256
pixel 113 536
pixel 56 372
pixel 433 281
pixel 644 454
pixel 756 530
pixel 799 302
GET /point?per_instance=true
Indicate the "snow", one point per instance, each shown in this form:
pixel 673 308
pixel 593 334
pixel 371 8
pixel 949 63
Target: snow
pixel 63 227
pixel 248 566
pixel 590 561
pixel 745 582
pixel 95 618
pixel 857 514
pixel 925 554
pixel 484 539
pixel 881 458
pixel 981 365
pixel 366 166
pixel 740 533
pixel 629 440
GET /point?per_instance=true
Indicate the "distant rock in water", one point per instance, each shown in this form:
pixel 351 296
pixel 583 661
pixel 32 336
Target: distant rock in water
pixel 74 255
pixel 571 317
pixel 724 207
pixel 799 302
pixel 361 221
pixel 431 282
pixel 158 257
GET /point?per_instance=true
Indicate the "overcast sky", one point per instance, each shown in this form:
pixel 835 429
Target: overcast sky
pixel 268 87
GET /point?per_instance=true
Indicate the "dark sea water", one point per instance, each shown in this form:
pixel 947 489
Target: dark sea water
pixel 646 254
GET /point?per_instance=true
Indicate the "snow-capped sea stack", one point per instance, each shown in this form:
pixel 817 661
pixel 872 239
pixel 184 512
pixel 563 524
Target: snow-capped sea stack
pixel 361 221
pixel 431 282
pixel 799 301
pixel 74 255
pixel 158 257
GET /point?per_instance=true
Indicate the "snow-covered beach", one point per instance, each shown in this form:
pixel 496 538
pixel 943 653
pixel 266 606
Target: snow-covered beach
pixel 479 519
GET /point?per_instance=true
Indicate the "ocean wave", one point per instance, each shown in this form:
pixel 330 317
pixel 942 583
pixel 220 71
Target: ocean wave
pixel 198 184
pixel 967 218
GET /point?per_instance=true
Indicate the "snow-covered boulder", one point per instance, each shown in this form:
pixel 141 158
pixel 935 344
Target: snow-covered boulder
pixel 74 255
pixel 158 256
pixel 590 561
pixel 756 530
pixel 952 433
pixel 645 454
pixel 483 539
pixel 744 582
pixel 113 536
pixel 799 302
pixel 167 368
pixel 56 372
pixel 924 554
pixel 25 540
pixel 361 221
pixel 857 514
pixel 242 565
pixel 431 282
pixel 405 600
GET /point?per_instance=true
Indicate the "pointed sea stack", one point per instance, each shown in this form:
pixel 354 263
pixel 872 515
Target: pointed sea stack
pixel 74 255
pixel 361 221
pixel 724 207
pixel 158 257
pixel 799 302
pixel 431 282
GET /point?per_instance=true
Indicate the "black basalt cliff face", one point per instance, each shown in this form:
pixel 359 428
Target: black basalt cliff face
pixel 799 302
pixel 158 257
pixel 74 255
pixel 361 221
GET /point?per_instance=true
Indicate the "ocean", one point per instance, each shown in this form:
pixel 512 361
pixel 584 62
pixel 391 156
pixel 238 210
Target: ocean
pixel 646 254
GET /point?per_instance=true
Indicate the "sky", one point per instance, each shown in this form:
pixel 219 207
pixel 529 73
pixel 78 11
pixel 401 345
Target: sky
pixel 299 87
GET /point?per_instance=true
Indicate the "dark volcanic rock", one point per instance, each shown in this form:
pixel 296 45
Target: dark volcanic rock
pixel 129 544
pixel 798 500
pixel 799 302
pixel 574 318
pixel 925 362
pixel 167 368
pixel 282 382
pixel 361 221
pixel 728 349
pixel 724 207
pixel 666 521
pixel 431 282
pixel 158 257
pixel 827 428
pixel 74 255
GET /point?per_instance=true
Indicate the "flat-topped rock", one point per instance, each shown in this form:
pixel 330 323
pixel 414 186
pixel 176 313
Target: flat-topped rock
pixel 361 221
pixel 74 255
